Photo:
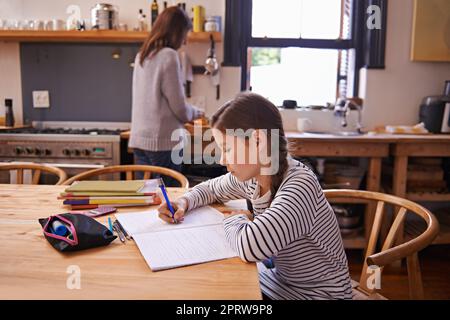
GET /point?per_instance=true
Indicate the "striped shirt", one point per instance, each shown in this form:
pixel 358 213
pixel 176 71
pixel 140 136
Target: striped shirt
pixel 297 230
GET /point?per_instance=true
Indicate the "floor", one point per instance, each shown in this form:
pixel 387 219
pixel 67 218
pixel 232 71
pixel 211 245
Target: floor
pixel 435 264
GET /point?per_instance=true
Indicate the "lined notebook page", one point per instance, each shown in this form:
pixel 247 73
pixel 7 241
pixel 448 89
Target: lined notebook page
pixel 148 221
pixel 199 238
pixel 165 250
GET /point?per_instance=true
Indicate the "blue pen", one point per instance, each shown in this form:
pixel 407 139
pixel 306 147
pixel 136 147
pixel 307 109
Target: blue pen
pixel 110 225
pixel 163 189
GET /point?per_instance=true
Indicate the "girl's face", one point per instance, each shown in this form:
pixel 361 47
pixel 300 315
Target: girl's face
pixel 239 155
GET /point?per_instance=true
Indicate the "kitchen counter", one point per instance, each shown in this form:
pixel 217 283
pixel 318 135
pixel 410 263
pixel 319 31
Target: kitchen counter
pixel 15 127
pixel 377 137
pixel 371 137
pixel 125 135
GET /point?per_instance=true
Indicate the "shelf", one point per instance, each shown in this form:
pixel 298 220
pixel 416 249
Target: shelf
pixel 428 196
pixel 357 241
pixel 412 230
pixel 104 36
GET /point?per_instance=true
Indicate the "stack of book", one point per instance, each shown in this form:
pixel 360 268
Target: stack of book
pixel 86 195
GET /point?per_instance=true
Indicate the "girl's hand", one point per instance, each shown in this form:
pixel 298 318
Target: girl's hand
pixel 179 206
pixel 230 213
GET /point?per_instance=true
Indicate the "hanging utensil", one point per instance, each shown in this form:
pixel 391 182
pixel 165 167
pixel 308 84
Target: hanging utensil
pixel 211 64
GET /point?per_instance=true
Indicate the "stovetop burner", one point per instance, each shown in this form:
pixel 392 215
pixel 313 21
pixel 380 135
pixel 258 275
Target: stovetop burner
pixel 63 131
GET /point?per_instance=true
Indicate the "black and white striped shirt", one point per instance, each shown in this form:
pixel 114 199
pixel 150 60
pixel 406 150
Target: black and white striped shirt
pixel 297 230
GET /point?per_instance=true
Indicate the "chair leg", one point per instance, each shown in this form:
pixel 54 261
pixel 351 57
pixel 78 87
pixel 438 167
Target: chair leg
pixel 414 277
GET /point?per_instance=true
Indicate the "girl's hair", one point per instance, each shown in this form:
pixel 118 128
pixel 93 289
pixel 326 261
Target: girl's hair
pixel 168 31
pixel 252 111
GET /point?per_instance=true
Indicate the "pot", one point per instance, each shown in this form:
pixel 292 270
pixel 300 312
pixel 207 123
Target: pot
pixel 105 16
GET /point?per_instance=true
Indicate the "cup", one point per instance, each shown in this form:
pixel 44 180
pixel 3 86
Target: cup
pixel 38 25
pixel 58 24
pixel 304 124
pixel 123 27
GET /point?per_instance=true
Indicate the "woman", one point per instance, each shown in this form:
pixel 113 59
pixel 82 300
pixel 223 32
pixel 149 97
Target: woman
pixel 159 107
pixel 293 230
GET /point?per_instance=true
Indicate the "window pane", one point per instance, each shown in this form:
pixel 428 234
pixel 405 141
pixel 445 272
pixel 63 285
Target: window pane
pixel 309 19
pixel 321 19
pixel 306 75
pixel 276 19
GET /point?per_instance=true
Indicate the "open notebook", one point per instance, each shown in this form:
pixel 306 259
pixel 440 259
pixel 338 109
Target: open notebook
pixel 200 238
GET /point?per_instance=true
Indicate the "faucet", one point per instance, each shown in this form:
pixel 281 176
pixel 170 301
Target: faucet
pixel 342 109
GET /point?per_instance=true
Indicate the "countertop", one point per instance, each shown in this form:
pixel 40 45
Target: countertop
pixel 375 137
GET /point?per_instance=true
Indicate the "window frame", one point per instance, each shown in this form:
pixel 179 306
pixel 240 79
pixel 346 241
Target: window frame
pixel 369 45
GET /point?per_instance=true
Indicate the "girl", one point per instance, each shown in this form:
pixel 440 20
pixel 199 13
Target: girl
pixel 293 230
pixel 159 106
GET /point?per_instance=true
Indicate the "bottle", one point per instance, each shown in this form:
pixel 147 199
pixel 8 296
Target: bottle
pixel 142 24
pixel 9 115
pixel 199 18
pixel 165 5
pixel 155 11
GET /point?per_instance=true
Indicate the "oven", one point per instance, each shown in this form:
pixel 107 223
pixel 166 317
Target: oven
pixel 72 150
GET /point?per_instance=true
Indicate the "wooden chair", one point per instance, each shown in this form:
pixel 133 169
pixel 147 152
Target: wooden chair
pixel 129 170
pixel 389 253
pixel 37 169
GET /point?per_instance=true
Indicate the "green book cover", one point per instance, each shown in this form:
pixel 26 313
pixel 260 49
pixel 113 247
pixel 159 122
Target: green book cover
pixel 125 186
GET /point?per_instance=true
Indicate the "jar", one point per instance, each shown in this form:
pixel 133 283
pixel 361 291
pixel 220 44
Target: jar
pixel 211 24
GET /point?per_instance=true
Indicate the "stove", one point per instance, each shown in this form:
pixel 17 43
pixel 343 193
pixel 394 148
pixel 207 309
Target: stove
pixel 94 131
pixel 72 146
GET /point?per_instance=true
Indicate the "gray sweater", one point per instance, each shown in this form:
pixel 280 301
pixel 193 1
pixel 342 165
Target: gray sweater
pixel 158 106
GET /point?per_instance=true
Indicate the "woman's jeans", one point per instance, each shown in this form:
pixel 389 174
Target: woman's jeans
pixel 160 159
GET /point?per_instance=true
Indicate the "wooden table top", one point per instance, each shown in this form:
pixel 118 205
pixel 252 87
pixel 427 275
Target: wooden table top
pixel 31 269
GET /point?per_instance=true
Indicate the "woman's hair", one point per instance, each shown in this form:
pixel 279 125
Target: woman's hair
pixel 252 111
pixel 168 31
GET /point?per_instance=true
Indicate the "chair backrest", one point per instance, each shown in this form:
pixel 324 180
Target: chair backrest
pixel 389 251
pixel 36 169
pixel 129 171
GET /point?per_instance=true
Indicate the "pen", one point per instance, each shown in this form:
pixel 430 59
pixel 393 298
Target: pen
pixel 125 233
pixel 163 189
pixel 110 225
pixel 119 233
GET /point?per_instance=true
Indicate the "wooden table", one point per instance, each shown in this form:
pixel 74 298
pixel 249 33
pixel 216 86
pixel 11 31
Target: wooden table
pixel 31 269
pixel 422 146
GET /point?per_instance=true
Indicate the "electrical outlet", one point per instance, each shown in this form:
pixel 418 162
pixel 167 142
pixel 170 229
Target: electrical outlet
pixel 198 101
pixel 41 99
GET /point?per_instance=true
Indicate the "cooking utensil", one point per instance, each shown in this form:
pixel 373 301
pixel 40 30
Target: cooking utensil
pixel 104 16
pixel 211 64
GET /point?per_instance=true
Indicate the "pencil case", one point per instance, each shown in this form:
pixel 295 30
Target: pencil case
pixel 82 232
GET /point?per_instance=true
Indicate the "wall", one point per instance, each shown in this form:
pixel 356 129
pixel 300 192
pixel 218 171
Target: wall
pixel 10 81
pixel 393 95
pixel 49 9
pixel 84 81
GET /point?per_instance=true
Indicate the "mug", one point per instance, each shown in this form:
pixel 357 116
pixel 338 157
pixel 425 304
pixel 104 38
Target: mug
pixel 303 124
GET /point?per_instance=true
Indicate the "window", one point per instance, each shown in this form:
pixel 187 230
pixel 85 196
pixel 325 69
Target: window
pixel 299 50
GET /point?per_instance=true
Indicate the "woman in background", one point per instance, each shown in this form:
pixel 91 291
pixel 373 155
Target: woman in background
pixel 159 107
